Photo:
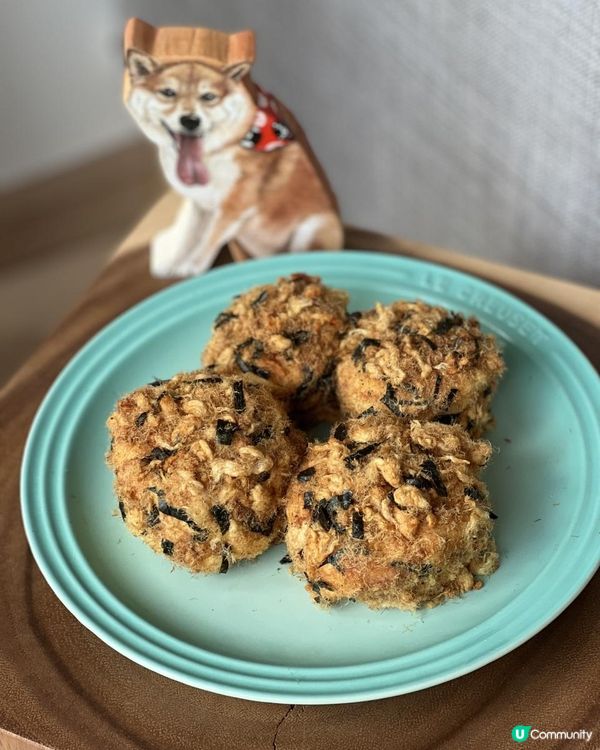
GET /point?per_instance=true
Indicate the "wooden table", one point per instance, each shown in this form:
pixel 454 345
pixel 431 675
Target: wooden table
pixel 63 688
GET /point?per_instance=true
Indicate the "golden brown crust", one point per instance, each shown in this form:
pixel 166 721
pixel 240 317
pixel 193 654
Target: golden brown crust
pixel 286 333
pixel 202 462
pixel 392 514
pixel 421 362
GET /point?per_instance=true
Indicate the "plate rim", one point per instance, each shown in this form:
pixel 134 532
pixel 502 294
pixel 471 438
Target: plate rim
pixel 263 693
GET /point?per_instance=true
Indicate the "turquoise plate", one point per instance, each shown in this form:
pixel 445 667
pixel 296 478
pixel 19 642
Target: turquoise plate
pixel 254 632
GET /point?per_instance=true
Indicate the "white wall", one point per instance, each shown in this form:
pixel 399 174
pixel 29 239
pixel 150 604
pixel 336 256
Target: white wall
pixel 59 84
pixel 468 123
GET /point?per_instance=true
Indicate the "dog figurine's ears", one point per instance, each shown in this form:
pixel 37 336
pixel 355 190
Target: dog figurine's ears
pixel 238 71
pixel 140 64
pixel 148 47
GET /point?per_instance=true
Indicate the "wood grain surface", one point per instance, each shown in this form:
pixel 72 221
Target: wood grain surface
pixel 60 686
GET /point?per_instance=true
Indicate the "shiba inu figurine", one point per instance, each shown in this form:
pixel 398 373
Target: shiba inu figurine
pixel 229 148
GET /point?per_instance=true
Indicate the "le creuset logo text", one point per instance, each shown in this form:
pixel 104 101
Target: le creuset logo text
pixel 523 732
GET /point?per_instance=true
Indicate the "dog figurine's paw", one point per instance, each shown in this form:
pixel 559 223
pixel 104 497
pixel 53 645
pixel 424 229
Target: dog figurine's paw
pixel 195 264
pixel 164 256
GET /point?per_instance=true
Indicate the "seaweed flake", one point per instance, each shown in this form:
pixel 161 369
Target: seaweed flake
pixel 410 388
pixel 346 499
pixel 264 433
pixel 446 418
pixel 332 505
pixel 225 430
pixel 258 345
pixel 261 527
pixel 167 546
pixel 222 318
pixel 297 337
pixel 221 516
pixel 358 354
pixel 474 493
pixel 421 337
pixel 421 483
pixel 155 383
pixel 354 317
pixel 260 299
pixel 157 454
pixel 334 559
pixel 316 587
pixel 450 397
pixel 305 386
pixel 316 590
pixel 420 569
pixel 341 432
pixel 431 472
pixel 153 517
pixel 367 412
pixel 306 474
pixel 122 510
pixel 225 559
pixel 179 514
pixel 447 323
pixel 358 454
pixel 436 387
pixel 209 380
pixel 239 400
pixel 358 526
pixel 493 516
pixel 264 476
pixel 321 514
pixel 250 367
pixel 390 497
pixel 390 400
pixel 326 379
pixel 285 560
pixel 477 345
pixel 309 498
pixel 487 391
pixel 141 419
pixel 323 585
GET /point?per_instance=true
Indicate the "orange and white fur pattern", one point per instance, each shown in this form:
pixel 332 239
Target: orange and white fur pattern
pixel 268 201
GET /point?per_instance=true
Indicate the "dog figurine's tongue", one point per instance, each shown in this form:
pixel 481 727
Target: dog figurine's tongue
pixel 191 170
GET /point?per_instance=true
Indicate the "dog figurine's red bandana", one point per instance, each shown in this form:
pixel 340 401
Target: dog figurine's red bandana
pixel 268 131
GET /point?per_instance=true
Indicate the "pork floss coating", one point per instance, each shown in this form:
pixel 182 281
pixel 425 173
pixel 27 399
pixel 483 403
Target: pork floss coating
pixel 391 514
pixel 418 361
pixel 288 334
pixel 201 464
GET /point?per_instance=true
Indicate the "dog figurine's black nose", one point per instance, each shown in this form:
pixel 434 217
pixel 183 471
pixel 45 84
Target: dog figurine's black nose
pixel 189 122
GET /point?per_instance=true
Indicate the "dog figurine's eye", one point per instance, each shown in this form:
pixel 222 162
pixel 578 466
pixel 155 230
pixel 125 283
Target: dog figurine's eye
pixel 169 93
pixel 208 96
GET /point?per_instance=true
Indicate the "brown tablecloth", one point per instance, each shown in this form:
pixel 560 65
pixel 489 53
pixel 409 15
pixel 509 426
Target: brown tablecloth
pixel 64 688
